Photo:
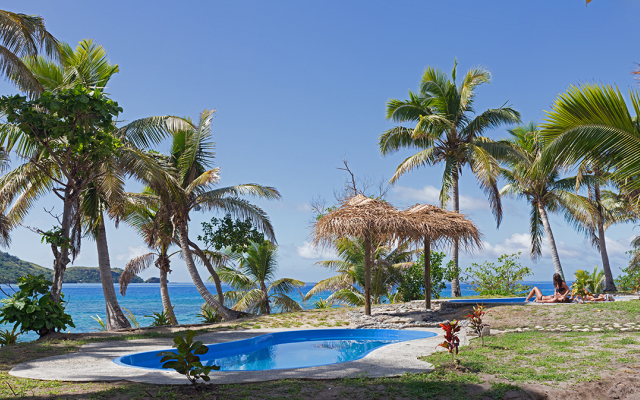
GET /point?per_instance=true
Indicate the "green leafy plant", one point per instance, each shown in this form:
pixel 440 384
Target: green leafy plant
pixel 209 315
pixel 322 303
pixel 8 337
pixel 187 361
pixel 475 320
pixel 227 233
pixel 55 237
pixel 502 280
pixel 412 282
pixel 131 318
pixel 102 327
pixel 32 309
pixel 592 282
pixel 451 340
pixel 161 318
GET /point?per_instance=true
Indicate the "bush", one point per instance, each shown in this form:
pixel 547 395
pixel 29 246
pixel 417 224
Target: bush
pixel 503 280
pixel 186 360
pixel 32 309
pixel 630 278
pixel 412 282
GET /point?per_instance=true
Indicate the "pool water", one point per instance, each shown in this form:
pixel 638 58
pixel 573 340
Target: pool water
pixel 294 349
pixel 497 300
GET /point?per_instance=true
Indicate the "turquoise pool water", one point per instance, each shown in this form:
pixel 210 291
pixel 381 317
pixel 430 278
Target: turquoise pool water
pixel 293 349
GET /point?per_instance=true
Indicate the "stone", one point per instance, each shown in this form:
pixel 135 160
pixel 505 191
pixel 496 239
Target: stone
pixel 596 329
pixel 625 329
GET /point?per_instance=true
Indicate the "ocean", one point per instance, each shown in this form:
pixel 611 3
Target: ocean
pixel 85 300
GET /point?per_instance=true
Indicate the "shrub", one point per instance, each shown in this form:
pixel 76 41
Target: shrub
pixel 451 339
pixel 32 309
pixel 502 280
pixel 102 327
pixel 591 283
pixel 629 281
pixel 322 303
pixel 160 318
pixel 187 361
pixel 8 337
pixel 412 282
pixel 475 320
pixel 209 315
pixel 132 318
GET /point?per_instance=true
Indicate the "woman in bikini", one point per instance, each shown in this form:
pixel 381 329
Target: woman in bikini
pixel 559 295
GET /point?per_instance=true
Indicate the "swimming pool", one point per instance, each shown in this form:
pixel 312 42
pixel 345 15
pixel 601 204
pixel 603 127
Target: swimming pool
pixel 291 349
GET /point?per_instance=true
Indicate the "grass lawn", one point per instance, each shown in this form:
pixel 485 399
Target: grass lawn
pixel 509 366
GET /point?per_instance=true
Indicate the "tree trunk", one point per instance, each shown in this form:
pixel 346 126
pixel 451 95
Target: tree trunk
pixel 265 298
pixel 61 256
pixel 552 242
pixel 164 294
pixel 427 273
pixel 227 313
pixel 212 271
pixel 609 285
pixel 115 316
pixel 367 275
pixel 455 283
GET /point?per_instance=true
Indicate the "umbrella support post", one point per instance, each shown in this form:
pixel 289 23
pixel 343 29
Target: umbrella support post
pixel 427 274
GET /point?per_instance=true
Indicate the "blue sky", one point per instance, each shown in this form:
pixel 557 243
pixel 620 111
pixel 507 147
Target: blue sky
pixel 299 85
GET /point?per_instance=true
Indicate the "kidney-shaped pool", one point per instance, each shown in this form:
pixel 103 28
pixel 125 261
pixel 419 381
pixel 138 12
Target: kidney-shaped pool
pixel 291 349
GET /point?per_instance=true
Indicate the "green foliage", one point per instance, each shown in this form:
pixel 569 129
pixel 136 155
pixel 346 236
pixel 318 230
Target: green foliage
pixel 32 309
pixel 161 318
pixel 209 315
pixel 8 337
pixel 102 327
pixel 187 361
pixel 489 279
pixel 322 303
pixel 78 120
pixel 412 282
pixel 591 282
pixel 630 278
pixel 56 237
pixel 227 233
pixel 131 318
pixel 451 340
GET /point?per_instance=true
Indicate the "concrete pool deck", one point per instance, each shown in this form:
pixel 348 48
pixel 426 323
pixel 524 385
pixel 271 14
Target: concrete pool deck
pixel 94 362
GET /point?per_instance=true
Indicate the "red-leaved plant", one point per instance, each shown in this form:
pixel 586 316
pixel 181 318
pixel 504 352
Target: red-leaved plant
pixel 475 320
pixel 451 339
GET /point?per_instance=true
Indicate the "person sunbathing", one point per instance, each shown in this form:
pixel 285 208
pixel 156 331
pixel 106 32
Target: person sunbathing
pixel 556 299
pixel 561 291
pixel 599 297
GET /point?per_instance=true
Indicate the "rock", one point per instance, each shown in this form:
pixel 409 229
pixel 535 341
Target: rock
pixel 596 329
pixel 625 329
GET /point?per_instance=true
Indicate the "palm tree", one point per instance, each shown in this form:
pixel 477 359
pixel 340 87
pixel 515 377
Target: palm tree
pixel 157 234
pixel 257 268
pixel 86 65
pixel 24 36
pixel 529 177
pixel 346 287
pixel 190 187
pixel 446 132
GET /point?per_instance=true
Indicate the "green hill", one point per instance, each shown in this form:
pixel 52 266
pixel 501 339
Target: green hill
pixel 11 268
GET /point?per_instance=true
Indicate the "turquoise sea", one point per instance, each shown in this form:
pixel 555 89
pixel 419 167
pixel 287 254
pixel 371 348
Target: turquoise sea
pixel 85 300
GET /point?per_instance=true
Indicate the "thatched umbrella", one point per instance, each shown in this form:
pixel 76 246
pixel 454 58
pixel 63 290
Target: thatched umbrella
pixel 366 218
pixel 434 224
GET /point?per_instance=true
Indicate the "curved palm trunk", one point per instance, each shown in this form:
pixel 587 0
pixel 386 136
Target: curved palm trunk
pixel 115 316
pixel 367 276
pixel 552 242
pixel 609 285
pixel 227 313
pixel 164 294
pixel 212 271
pixel 265 298
pixel 455 283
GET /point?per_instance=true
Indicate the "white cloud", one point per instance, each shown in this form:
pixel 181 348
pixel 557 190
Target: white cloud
pixel 304 207
pixel 521 242
pixel 133 253
pixel 617 247
pixel 431 194
pixel 310 252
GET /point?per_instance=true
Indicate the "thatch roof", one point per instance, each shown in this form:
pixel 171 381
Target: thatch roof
pixel 443 227
pixel 361 216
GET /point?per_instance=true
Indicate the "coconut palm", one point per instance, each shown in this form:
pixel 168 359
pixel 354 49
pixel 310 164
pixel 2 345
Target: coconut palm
pixel 157 234
pixel 447 132
pixel 257 290
pixel 529 177
pixel 24 36
pixel 85 65
pixel 191 187
pixel 346 287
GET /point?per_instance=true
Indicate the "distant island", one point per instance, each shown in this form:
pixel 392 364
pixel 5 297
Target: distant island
pixel 11 268
pixel 154 280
